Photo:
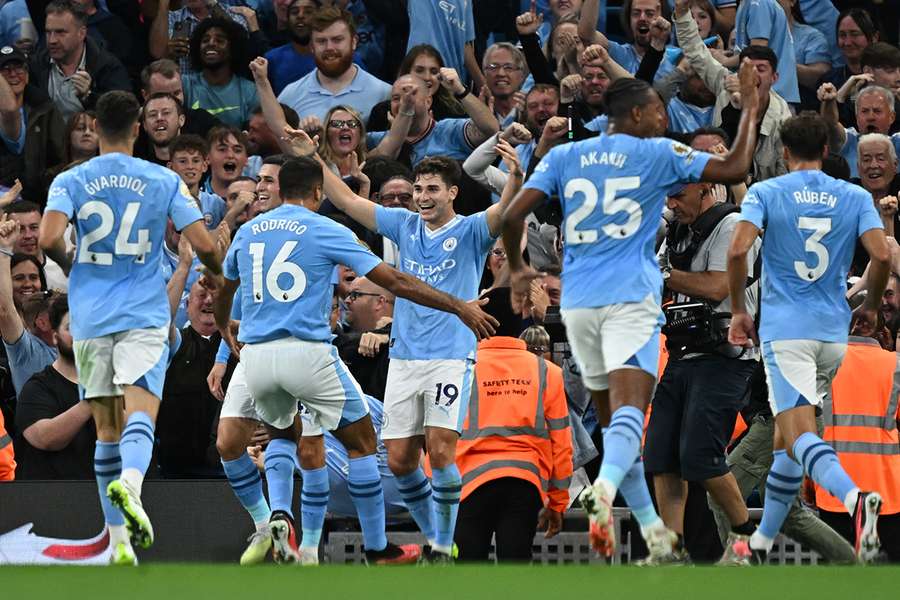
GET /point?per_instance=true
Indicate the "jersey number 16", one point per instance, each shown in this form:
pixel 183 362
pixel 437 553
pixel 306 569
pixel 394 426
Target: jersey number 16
pixel 280 266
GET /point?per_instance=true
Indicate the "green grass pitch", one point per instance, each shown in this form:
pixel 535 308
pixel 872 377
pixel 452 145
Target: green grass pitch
pixel 221 582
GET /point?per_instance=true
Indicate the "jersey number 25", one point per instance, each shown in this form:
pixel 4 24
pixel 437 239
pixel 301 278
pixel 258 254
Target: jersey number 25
pixel 611 206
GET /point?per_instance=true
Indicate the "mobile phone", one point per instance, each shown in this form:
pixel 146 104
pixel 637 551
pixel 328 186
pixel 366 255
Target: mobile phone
pixel 181 29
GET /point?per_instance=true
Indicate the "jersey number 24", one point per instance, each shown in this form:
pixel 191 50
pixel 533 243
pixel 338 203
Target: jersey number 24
pixel 123 246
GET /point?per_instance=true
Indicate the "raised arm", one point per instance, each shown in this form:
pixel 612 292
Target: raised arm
pixel 159 30
pixel 178 280
pixel 204 245
pixel 513 183
pixel 272 111
pixel 10 118
pixel 827 95
pixel 702 61
pixel 391 144
pixel 587 24
pixel 597 53
pixel 357 208
pixel 513 226
pixel 11 326
pixel 734 166
pixel 479 165
pixel 50 238
pixel 483 123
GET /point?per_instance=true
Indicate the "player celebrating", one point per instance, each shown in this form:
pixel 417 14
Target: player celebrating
pixel 432 355
pixel 119 308
pixel 286 258
pixel 611 281
pixel 811 223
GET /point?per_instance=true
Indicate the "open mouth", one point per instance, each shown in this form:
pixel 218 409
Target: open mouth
pixel 211 54
pixel 345 139
pixel 643 29
pixel 872 128
pixel 423 206
pixel 230 167
pixel 207 310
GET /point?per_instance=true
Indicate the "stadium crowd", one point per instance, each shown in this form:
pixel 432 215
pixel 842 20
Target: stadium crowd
pixel 474 93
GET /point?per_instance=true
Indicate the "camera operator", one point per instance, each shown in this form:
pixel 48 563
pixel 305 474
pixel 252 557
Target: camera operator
pixel 706 380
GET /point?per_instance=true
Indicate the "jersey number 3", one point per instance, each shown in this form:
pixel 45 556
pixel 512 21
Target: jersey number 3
pixel 280 266
pixel 611 206
pixel 820 227
pixel 123 247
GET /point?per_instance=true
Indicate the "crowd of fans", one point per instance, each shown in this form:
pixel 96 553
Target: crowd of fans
pixel 385 84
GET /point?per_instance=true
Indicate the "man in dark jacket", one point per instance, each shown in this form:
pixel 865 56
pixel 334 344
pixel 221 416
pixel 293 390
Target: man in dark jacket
pixel 31 130
pixel 73 70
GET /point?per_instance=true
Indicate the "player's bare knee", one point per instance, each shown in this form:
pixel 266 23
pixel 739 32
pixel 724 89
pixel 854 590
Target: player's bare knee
pixel 441 445
pixel 232 438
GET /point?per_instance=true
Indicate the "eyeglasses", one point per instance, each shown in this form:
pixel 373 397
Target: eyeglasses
pixel 341 123
pixel 14 68
pixel 353 296
pixel 508 67
pixel 401 198
pixel 498 252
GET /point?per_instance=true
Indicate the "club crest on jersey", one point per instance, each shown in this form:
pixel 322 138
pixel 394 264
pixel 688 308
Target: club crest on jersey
pixel 449 244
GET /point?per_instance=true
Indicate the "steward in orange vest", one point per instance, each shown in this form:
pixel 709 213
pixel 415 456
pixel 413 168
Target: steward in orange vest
pixel 861 426
pixel 514 453
pixel 7 457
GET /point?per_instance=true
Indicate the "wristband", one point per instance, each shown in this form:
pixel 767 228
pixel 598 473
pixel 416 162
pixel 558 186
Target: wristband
pixel 411 113
pixel 6 252
pixel 462 94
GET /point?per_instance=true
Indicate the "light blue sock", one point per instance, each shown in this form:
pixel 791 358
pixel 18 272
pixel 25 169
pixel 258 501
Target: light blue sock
pixel 246 483
pixel 446 484
pixel 415 489
pixel 313 504
pixel 637 495
pixel 821 463
pixel 280 474
pixel 107 467
pixel 136 444
pixel 621 445
pixel 368 498
pixel 782 485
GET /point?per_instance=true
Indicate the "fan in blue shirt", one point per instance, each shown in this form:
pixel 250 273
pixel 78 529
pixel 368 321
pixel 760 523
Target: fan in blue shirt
pixel 809 223
pixel 612 189
pixel 118 303
pixel 763 22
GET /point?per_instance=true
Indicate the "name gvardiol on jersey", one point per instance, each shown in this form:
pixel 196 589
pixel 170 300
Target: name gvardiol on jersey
pixel 125 182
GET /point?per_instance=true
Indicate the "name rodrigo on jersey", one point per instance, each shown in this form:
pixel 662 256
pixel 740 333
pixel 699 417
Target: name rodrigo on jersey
pixel 273 224
pixel 126 182
pixel 614 159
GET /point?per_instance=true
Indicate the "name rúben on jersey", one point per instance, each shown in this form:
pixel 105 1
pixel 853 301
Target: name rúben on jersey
pixel 125 182
pixel 614 159
pixel 811 197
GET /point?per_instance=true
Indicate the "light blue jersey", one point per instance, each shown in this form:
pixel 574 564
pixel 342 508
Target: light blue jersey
pixel 120 205
pixel 446 137
pixel 446 25
pixel 213 208
pixel 450 259
pixel 765 19
pixel 284 259
pixel 612 189
pixel 811 223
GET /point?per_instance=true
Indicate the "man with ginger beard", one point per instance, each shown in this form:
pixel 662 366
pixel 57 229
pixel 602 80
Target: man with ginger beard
pixel 335 80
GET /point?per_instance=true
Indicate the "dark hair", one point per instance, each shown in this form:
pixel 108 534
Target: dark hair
pixel 22 207
pixel 59 308
pixel 805 136
pixel 626 15
pixel 863 20
pixel 444 167
pixel 166 95
pixel 66 6
pixel 381 169
pixel 553 269
pixel 276 159
pixel 19 258
pixel 442 97
pixel 761 53
pixel 879 55
pixel 835 165
pixel 252 180
pixel 166 67
pixel 717 131
pixel 237 44
pixel 290 115
pixel 117 112
pixel 189 142
pixel 324 18
pixel 220 133
pixel 299 177
pixel 624 94
pixel 70 127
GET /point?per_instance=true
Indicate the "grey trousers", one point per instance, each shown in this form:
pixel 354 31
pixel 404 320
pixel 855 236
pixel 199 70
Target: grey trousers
pixel 750 462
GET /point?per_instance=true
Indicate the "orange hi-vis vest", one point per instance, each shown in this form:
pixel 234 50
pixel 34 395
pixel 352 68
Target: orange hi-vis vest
pixel 7 457
pixel 518 423
pixel 861 423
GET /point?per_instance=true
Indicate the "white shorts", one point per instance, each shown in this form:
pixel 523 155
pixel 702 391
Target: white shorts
pixel 282 372
pixel 613 337
pixel 238 403
pixel 800 372
pixel 137 357
pixel 426 393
